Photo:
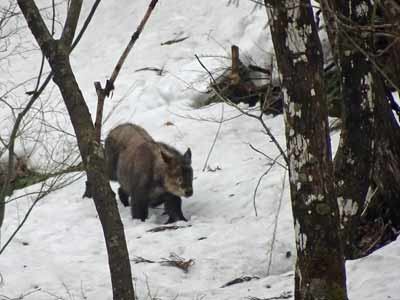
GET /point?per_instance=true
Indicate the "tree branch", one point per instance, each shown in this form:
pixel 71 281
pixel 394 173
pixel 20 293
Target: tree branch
pixel 71 22
pixel 86 24
pixel 135 36
pixel 103 93
pixel 36 23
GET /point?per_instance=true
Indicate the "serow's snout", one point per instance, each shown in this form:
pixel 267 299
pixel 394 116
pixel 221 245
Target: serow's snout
pixel 188 192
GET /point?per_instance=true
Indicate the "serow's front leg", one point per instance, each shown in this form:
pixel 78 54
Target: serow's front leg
pixel 173 208
pixel 123 197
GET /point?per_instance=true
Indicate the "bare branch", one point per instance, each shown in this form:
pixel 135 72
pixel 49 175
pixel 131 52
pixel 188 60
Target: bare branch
pixel 215 138
pixel 135 36
pixel 103 93
pixel 11 145
pixel 30 5
pixel 258 117
pixel 271 250
pixel 259 182
pixel 36 23
pixel 71 22
pixel 86 24
pixel 45 189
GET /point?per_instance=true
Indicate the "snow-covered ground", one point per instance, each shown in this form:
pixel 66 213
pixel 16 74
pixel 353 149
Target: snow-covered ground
pixel 60 251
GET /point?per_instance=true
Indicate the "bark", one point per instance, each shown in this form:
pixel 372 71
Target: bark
pixel 57 54
pixel 389 55
pixel 320 271
pixel 367 136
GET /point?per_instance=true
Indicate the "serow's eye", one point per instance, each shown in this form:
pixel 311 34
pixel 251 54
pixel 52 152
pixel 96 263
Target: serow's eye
pixel 179 180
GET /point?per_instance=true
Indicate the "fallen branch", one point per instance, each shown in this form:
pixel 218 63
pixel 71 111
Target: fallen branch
pixel 165 228
pixel 284 295
pixel 240 280
pixel 170 42
pixel 154 69
pixel 259 69
pixel 178 262
pixel 173 261
pixel 139 259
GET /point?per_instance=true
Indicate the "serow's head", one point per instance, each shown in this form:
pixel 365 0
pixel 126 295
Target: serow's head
pixel 179 174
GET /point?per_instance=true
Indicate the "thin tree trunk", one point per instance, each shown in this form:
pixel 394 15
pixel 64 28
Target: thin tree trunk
pixel 57 54
pixel 320 271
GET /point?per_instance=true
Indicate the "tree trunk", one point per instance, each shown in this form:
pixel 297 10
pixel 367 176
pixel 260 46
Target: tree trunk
pixel 57 54
pixel 320 271
pixel 365 188
pixel 389 55
pixel 93 154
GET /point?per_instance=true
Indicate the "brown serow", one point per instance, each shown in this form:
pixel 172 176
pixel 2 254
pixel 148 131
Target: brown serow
pixel 150 172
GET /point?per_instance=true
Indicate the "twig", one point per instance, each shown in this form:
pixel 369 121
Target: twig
pixel 154 69
pixel 260 70
pixel 170 42
pixel 86 23
pixel 284 295
pixel 215 138
pixel 265 155
pixel 11 146
pixel 165 228
pixel 240 280
pixel 22 296
pixel 375 242
pixel 22 223
pixel 259 117
pixel 149 295
pixel 370 194
pixel 139 259
pixel 177 261
pixel 109 87
pixel 35 95
pixel 259 181
pixel 271 250
pixel 41 194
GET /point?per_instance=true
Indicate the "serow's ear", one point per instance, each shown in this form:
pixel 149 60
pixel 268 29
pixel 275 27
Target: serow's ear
pixel 167 157
pixel 188 156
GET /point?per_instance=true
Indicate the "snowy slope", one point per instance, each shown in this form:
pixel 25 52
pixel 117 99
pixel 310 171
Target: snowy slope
pixel 60 251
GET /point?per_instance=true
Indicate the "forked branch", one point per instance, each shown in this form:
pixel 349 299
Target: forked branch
pixel 102 93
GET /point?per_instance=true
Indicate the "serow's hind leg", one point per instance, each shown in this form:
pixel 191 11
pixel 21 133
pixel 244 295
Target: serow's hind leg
pixel 123 197
pixel 139 205
pixel 173 208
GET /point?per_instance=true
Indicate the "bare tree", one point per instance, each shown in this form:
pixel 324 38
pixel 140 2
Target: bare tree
pixel 57 54
pixel 367 162
pixel 320 271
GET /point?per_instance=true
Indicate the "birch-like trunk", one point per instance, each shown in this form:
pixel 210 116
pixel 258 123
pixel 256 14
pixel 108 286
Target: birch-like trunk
pixel 320 270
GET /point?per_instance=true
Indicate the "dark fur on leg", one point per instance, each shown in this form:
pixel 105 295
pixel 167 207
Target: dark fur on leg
pixel 139 204
pixel 139 210
pixel 123 197
pixel 173 208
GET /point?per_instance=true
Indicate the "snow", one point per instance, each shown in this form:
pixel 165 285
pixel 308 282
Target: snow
pixel 60 251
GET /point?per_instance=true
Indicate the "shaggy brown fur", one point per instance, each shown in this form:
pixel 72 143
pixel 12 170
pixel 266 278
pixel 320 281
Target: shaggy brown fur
pixel 150 172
